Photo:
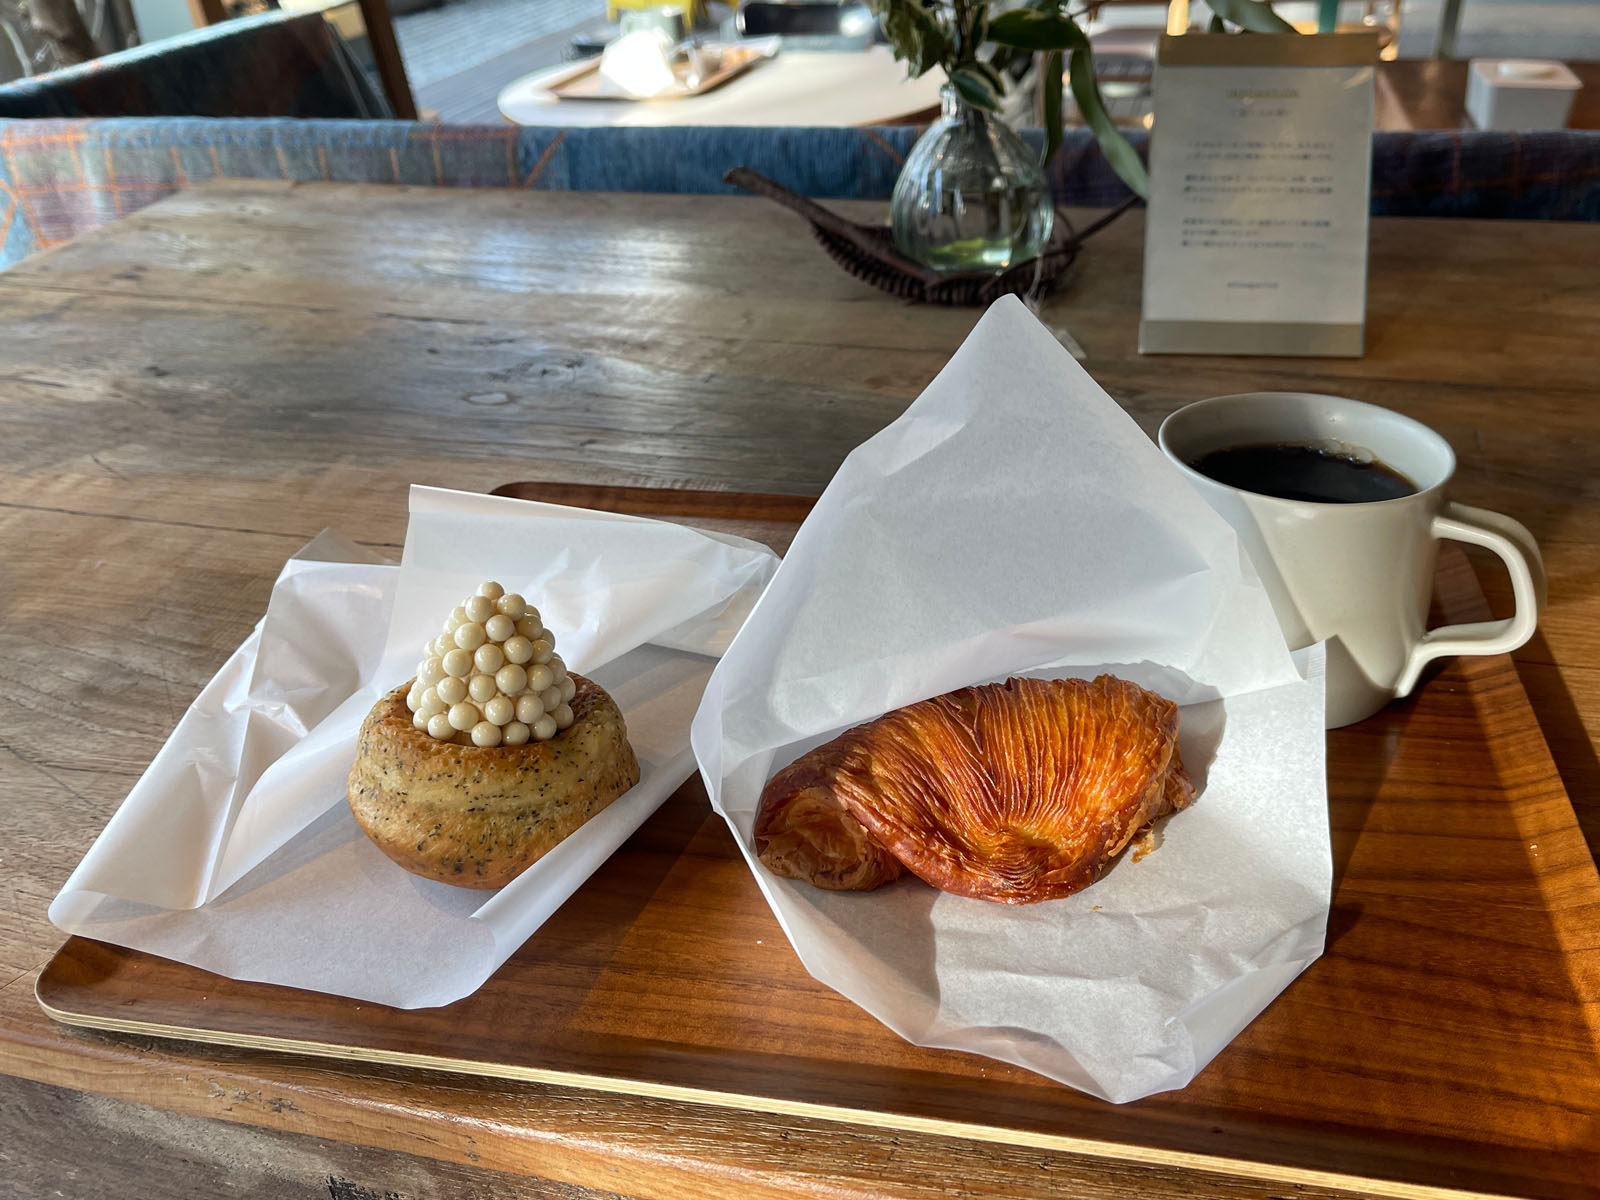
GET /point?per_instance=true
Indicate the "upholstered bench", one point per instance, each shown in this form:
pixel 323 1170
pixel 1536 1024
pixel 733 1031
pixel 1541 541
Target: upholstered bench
pixel 60 177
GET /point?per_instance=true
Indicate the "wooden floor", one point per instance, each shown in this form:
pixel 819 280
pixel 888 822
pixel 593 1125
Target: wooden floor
pixel 468 96
pixel 442 37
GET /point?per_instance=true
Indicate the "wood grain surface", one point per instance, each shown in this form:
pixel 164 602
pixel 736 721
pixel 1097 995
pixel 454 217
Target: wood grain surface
pixel 188 395
pixel 1431 93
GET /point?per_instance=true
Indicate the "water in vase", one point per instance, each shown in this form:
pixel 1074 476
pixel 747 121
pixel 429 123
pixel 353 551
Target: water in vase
pixel 971 196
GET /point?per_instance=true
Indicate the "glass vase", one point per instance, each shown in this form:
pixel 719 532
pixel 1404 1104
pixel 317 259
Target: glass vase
pixel 971 196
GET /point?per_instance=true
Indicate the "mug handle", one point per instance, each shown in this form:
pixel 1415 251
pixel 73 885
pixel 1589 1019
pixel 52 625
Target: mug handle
pixel 1516 548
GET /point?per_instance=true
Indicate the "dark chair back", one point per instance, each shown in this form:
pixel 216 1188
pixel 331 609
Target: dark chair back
pixel 276 64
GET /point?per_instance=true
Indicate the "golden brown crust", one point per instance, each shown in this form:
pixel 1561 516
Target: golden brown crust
pixel 478 817
pixel 812 836
pixel 1013 792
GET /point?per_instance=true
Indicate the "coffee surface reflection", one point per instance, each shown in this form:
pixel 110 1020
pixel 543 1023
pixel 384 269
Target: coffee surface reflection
pixel 1314 472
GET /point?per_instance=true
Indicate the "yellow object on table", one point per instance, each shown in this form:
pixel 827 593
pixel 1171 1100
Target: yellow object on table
pixel 694 11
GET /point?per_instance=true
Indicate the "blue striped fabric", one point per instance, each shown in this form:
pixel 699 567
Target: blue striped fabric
pixel 61 177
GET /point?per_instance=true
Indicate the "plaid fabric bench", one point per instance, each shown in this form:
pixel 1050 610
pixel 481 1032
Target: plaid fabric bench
pixel 61 177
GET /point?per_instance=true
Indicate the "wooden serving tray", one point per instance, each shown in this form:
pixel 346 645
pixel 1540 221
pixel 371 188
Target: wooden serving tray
pixel 584 81
pixel 1447 1043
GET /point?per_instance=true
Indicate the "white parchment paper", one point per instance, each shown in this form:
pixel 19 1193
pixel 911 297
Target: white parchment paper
pixel 1016 521
pixel 236 852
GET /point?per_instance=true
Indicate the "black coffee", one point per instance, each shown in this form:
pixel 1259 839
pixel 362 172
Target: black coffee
pixel 1300 472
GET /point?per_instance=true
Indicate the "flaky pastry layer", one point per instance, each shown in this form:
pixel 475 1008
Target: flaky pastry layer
pixel 1014 792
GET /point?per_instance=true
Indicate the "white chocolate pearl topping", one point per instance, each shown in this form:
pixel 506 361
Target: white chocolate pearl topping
pixel 492 676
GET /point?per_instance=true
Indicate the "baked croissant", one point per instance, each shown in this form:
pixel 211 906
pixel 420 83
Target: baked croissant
pixel 1014 792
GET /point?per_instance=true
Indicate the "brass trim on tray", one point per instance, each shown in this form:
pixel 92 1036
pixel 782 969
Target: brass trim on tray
pixel 1119 1151
pixel 1282 338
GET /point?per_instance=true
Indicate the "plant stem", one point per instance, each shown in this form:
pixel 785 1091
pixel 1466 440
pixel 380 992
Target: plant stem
pixel 963 15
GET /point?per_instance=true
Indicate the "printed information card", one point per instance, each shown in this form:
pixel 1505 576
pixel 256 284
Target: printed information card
pixel 1260 174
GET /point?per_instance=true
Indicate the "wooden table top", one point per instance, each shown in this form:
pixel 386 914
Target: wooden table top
pixel 1431 93
pixel 188 395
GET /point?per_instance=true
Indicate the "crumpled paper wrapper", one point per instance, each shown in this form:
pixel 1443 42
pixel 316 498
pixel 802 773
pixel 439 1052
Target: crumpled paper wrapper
pixel 1015 521
pixel 236 851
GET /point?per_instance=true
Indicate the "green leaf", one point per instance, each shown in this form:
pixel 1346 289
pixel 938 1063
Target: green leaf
pixel 1001 58
pixel 904 34
pixel 1052 70
pixel 1031 30
pixel 974 89
pixel 1124 159
pixel 935 38
pixel 918 40
pixel 1252 15
pixel 994 78
pixel 978 31
pixel 922 17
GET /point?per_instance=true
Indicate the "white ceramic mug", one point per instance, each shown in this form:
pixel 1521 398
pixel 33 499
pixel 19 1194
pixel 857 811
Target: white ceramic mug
pixel 1358 576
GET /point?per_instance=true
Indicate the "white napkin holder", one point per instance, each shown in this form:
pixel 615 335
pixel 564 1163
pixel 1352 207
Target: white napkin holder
pixel 1520 93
